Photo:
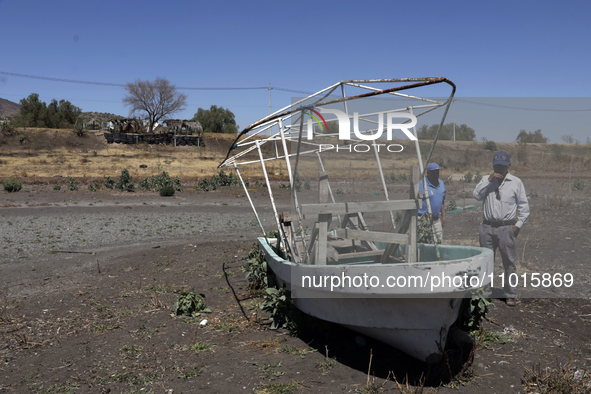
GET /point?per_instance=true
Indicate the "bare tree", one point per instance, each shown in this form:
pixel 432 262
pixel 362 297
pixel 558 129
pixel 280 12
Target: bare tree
pixel 157 99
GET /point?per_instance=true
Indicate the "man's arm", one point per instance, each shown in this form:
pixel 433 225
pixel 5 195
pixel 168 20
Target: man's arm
pixel 481 190
pixel 522 205
pixel 443 220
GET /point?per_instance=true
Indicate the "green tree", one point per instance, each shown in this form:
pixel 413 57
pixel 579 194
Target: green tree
pixel 216 120
pixel 463 132
pixel 35 113
pixel 155 100
pixel 31 113
pixel 61 114
pixel 532 137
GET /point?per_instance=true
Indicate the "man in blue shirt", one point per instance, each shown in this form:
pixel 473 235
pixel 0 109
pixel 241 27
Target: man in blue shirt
pixel 436 198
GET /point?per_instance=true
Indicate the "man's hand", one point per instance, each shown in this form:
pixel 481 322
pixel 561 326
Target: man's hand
pixel 516 230
pixel 443 221
pixel 495 175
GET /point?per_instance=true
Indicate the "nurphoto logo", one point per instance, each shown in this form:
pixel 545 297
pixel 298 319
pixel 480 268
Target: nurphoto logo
pixel 345 129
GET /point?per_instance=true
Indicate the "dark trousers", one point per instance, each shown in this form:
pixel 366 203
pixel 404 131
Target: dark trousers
pixel 502 238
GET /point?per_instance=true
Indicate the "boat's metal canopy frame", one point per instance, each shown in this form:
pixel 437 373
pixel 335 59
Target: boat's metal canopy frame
pixel 287 125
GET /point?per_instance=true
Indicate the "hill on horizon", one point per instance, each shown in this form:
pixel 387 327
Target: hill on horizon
pixel 8 109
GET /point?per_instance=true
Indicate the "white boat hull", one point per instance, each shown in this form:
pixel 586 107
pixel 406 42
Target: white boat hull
pixel 415 320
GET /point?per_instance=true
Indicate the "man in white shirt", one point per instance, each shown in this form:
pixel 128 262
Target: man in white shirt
pixel 503 194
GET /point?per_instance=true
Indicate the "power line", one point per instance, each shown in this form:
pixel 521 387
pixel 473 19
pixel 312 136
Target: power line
pixel 521 108
pixel 18 75
pixel 116 84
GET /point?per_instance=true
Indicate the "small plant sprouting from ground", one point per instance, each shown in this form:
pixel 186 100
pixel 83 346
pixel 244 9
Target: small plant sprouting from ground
pixel 485 337
pixel 579 184
pixel 12 185
pixel 125 181
pixel 276 302
pixel 561 380
pixel 270 370
pixel 189 304
pixel 256 269
pixel 72 185
pixel 327 364
pixel 296 351
pixel 307 184
pixel 475 312
pixel 277 388
pixel 102 328
pixel 131 351
pixel 57 187
pixel 199 347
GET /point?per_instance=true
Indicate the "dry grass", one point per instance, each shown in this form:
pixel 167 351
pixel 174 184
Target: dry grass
pixel 560 380
pixel 48 152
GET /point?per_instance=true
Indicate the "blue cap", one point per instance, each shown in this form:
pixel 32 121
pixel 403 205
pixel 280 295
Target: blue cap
pixel 432 166
pixel 502 158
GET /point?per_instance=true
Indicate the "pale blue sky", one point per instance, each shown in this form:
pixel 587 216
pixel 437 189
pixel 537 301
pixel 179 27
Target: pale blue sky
pixel 488 49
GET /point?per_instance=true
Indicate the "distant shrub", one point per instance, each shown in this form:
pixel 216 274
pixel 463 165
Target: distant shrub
pixel 400 179
pixel 451 205
pixel 491 146
pixel 79 129
pixel 109 182
pixel 307 184
pixel 477 177
pixel 167 191
pixel 225 180
pixel 125 181
pixel 557 151
pixel 12 185
pixel 467 178
pixel 221 179
pixel 72 184
pixel 6 127
pixel 57 187
pixel 206 185
pixel 157 182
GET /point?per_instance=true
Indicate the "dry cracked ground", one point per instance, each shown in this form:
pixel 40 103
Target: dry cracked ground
pixel 88 283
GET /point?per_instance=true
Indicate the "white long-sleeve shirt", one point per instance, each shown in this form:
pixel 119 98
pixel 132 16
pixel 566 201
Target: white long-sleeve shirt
pixel 512 197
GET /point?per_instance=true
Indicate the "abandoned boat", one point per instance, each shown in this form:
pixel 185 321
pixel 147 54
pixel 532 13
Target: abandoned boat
pixel 350 255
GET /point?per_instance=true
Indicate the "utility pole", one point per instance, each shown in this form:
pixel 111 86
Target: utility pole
pixel 271 128
pixel 454 127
